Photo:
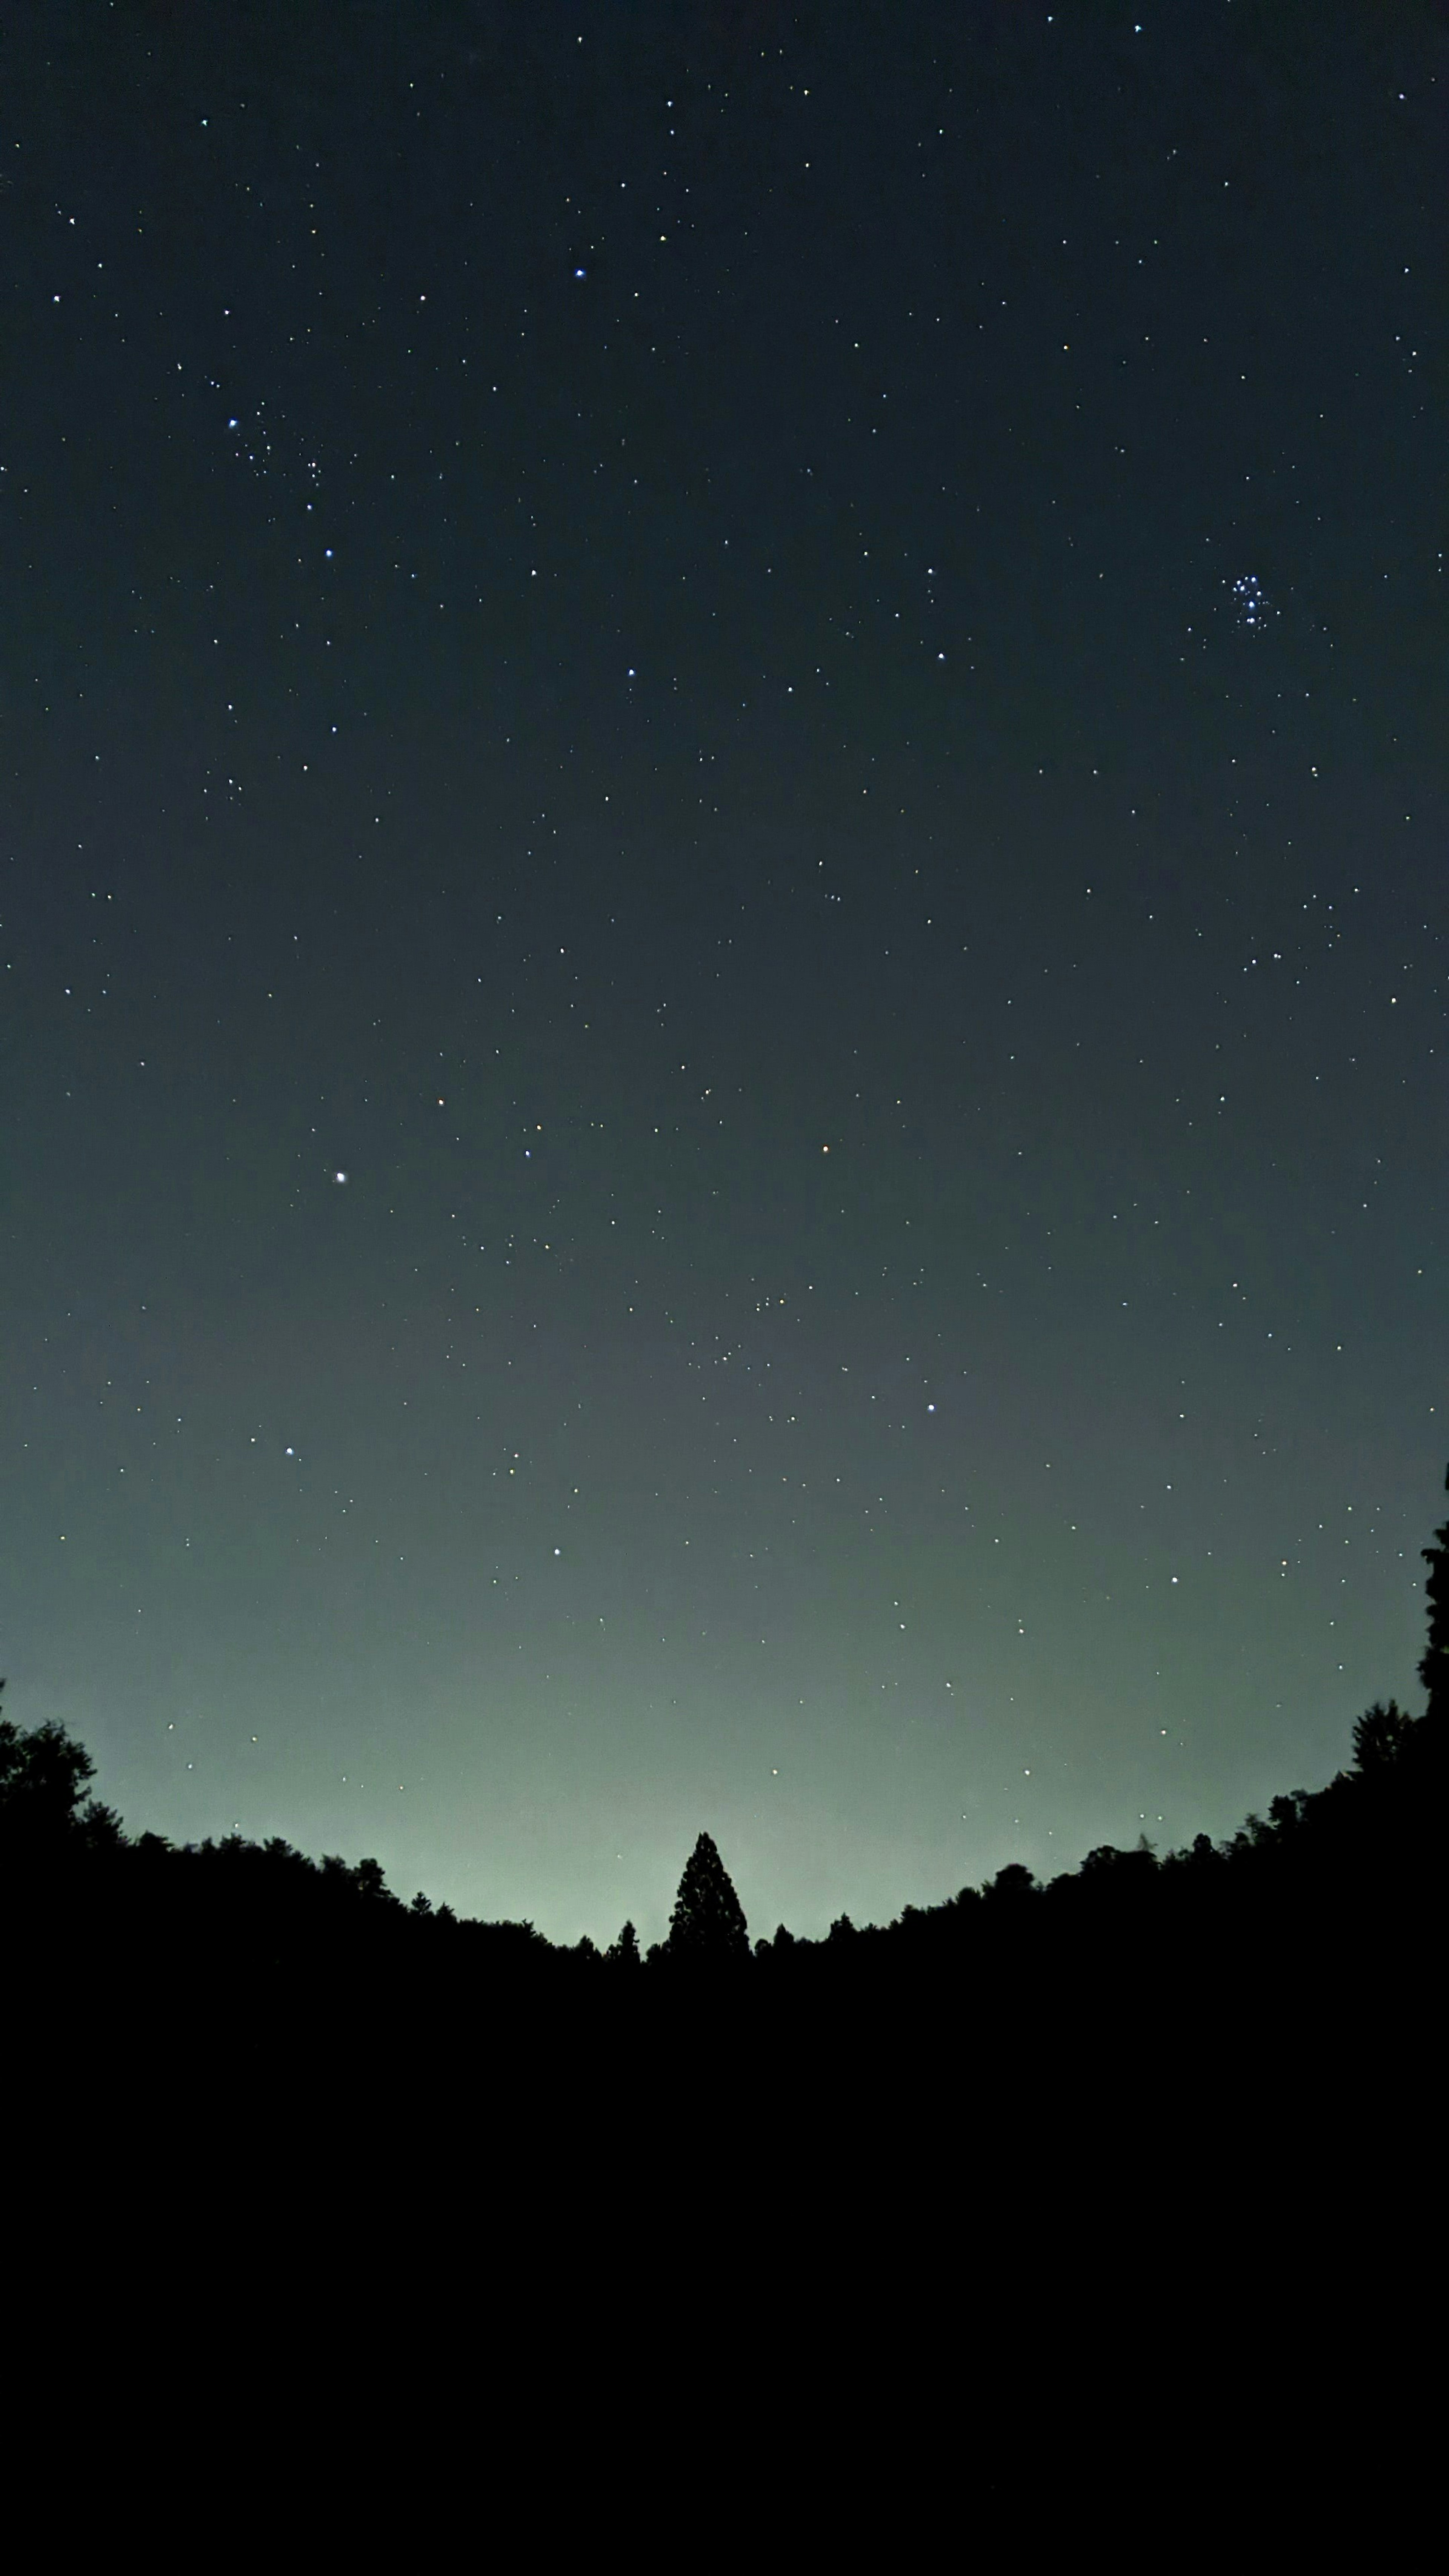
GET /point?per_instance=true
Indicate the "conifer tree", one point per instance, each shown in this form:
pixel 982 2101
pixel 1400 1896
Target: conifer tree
pixel 708 1922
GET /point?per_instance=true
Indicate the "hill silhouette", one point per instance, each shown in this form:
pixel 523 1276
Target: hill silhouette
pixel 236 1927
pixel 1128 2174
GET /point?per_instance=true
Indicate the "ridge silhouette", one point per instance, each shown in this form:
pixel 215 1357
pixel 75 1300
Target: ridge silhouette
pixel 264 1927
pixel 975 2127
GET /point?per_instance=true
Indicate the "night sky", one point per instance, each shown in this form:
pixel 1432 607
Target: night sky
pixel 722 858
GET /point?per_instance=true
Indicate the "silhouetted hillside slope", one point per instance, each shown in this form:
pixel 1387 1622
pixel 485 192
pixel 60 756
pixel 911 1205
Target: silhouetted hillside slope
pixel 1290 1915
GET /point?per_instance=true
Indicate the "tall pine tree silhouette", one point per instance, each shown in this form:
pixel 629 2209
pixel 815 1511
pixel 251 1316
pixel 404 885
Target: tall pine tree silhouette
pixel 708 1923
pixel 1434 1670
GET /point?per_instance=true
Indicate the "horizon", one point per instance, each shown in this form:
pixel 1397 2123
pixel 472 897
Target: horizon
pixel 1144 1841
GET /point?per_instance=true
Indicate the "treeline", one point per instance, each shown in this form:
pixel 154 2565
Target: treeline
pixel 1355 1859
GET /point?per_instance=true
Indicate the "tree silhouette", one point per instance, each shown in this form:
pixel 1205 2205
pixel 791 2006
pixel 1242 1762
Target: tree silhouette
pixel 1016 1881
pixel 1328 1871
pixel 43 1799
pixel 1379 1737
pixel 708 1922
pixel 1434 1669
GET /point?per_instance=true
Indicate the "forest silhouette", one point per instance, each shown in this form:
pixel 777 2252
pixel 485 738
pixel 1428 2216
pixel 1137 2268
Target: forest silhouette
pixel 232 1926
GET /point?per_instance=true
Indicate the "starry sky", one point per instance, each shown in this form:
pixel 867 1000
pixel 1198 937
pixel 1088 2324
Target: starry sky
pixel 722 862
